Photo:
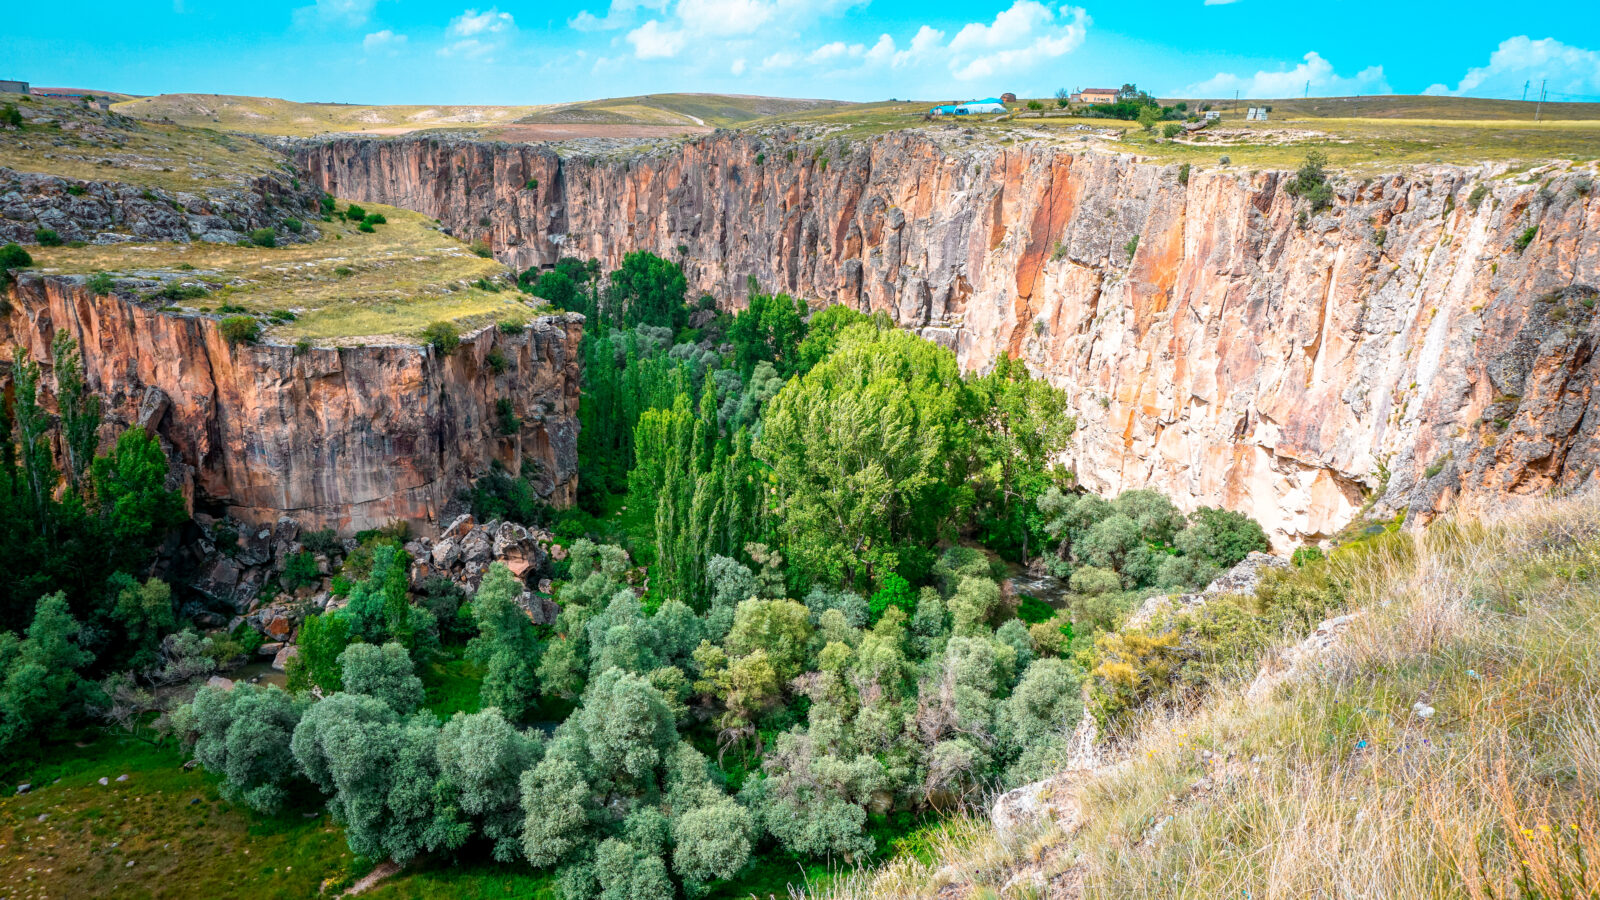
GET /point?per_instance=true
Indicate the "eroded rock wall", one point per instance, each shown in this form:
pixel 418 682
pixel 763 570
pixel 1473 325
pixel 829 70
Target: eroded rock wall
pixel 1216 343
pixel 347 437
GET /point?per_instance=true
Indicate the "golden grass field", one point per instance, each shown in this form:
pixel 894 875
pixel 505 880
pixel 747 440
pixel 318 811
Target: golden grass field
pixel 346 287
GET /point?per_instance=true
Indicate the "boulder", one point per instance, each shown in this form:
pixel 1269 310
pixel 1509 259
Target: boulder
pixel 477 546
pixel 446 553
pixel 459 527
pixel 280 660
pixel 270 648
pixel 508 537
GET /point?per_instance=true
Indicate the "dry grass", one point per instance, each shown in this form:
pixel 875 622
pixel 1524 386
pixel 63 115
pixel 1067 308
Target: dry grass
pixel 347 287
pixel 1336 787
pixel 269 115
pixel 63 138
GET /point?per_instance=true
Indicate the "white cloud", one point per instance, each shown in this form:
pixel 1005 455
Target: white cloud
pixel 472 22
pixel 350 13
pixel 783 59
pixel 722 18
pixel 384 40
pixel 652 40
pixel 1220 2
pixel 1020 37
pixel 1520 60
pixel 1323 80
pixel 834 51
pixel 620 15
pixel 738 66
pixel 469 48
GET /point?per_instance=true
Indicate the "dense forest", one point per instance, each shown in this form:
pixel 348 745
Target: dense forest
pixel 785 626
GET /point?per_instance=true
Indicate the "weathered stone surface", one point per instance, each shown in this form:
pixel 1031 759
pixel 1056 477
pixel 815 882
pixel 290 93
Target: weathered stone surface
pixel 1243 578
pixel 348 437
pixel 1237 359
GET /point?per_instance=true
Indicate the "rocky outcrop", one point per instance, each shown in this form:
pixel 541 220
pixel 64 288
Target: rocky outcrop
pixel 108 212
pixel 347 437
pixel 1243 579
pixel 1217 340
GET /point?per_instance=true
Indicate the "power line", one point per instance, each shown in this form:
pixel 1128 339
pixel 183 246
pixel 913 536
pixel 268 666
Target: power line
pixel 1540 106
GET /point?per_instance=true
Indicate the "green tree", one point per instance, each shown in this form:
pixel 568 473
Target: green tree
pixel 323 639
pixel 383 672
pixel 1222 536
pixel 482 758
pixel 243 736
pixel 39 675
pixel 145 614
pixel 506 646
pixel 869 451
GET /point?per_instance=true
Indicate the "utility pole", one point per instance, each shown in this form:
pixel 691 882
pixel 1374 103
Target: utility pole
pixel 1308 90
pixel 1540 105
pixel 1525 86
pixel 1235 101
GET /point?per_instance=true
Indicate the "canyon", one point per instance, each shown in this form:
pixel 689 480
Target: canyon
pixel 1426 342
pixel 348 438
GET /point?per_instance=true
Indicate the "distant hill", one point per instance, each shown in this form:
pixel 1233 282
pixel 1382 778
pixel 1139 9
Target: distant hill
pixel 1409 106
pixel 715 110
pixel 268 115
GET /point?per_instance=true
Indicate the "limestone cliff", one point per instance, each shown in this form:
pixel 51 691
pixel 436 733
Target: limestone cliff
pixel 347 437
pixel 1238 353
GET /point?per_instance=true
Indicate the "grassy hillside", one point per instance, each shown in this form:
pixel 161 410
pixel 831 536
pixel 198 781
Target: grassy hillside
pixel 1446 744
pixel 268 115
pixel 717 110
pixel 346 287
pixel 62 137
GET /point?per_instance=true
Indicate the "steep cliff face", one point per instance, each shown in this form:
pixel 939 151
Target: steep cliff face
pixel 350 437
pixel 1419 341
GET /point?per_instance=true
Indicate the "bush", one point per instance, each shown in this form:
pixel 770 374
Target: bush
pixel 264 237
pixel 1132 246
pixel 293 225
pixel 9 116
pixel 354 213
pixel 1183 174
pixel 365 227
pixel 240 329
pixel 374 219
pixel 480 248
pixel 499 496
pixel 532 185
pixel 1525 238
pixel 325 540
pixel 1310 183
pixel 509 422
pixel 299 571
pixel 1224 160
pixel 1475 198
pixel 12 256
pixel 1034 104
pixel 1171 130
pixel 99 283
pixel 442 337
pixel 1034 611
pixel 46 237
pixel 327 203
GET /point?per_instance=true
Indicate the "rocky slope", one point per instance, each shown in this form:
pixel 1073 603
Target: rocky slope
pixel 1239 352
pixel 348 438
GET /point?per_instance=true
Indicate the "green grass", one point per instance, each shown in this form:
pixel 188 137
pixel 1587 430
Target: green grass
pixel 101 147
pixel 452 684
pixel 349 287
pixel 177 848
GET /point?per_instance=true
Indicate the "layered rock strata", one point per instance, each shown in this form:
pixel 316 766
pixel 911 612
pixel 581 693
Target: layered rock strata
pixel 1427 341
pixel 342 437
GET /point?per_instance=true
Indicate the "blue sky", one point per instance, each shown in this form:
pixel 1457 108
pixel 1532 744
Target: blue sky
pixel 434 51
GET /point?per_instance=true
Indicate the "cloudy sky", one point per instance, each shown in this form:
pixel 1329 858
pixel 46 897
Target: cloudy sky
pixel 423 51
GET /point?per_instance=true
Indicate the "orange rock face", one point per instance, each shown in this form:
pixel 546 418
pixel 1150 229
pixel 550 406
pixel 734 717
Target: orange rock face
pixel 349 438
pixel 1242 355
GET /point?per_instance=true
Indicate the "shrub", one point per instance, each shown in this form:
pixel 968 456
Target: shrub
pixel 496 361
pixel 1224 160
pixel 1183 174
pixel 1132 246
pixel 1034 611
pixel 354 213
pixel 532 185
pixel 1476 197
pixel 1380 236
pixel 99 283
pixel 46 237
pixel 442 337
pixel 1034 104
pixel 264 237
pixel 1310 183
pixel 1525 238
pixel 280 316
pixel 240 329
pixel 1171 130
pixel 506 412
pixel 327 203
pixel 761 159
pixel 299 571
pixel 1307 554
pixel 499 496
pixel 511 327
pixel 293 225
pixel 325 540
pixel 12 256
pixel 480 248
pixel 76 190
pixel 365 227
pixel 9 116
pixel 375 219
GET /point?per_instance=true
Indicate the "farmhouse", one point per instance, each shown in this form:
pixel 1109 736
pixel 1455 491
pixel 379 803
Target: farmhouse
pixel 1096 95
